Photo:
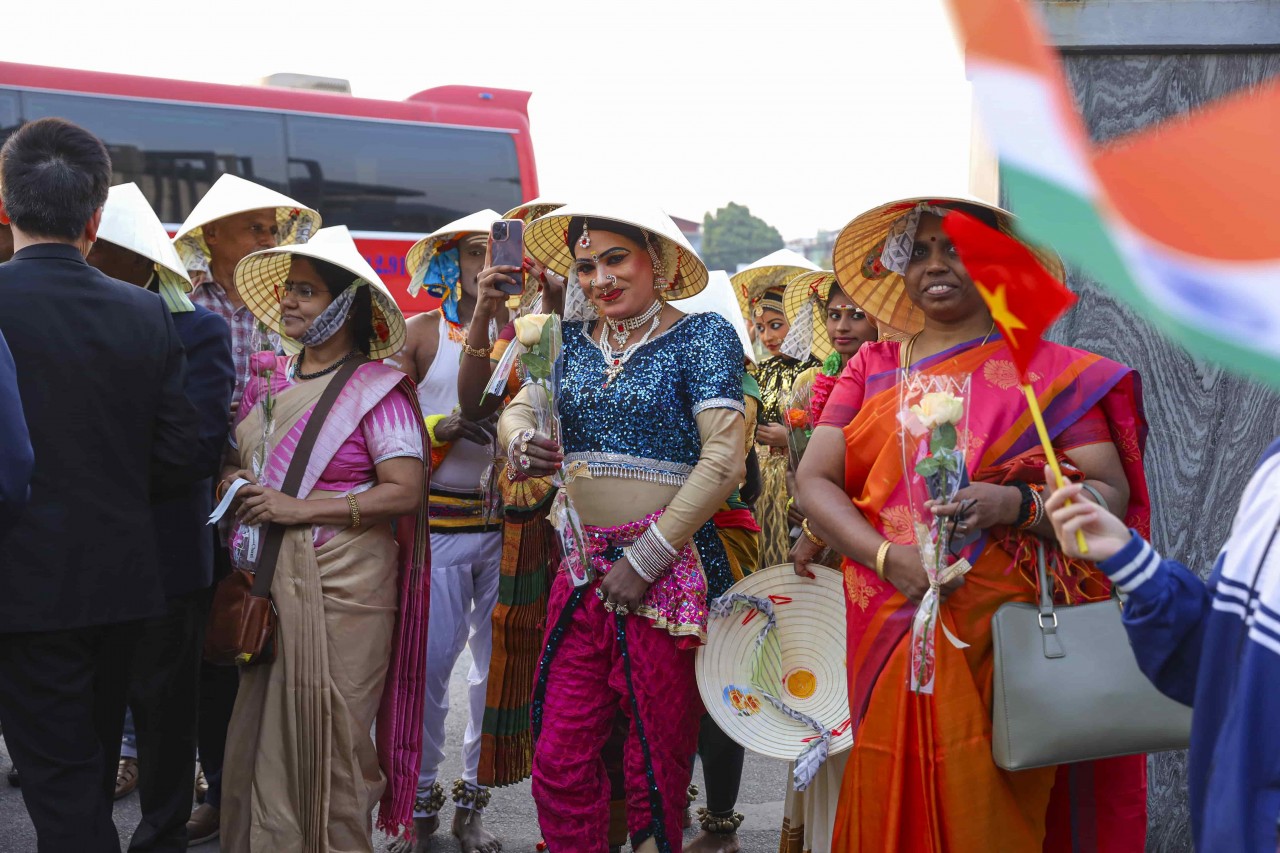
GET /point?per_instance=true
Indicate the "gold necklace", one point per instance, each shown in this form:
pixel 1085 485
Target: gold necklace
pixel 911 344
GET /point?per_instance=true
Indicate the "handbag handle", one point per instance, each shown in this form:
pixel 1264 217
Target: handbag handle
pixel 1048 629
pixel 265 571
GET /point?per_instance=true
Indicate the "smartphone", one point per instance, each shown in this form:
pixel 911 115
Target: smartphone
pixel 506 240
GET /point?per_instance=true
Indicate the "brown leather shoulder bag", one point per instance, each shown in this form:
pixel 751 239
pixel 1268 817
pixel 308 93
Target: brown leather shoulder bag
pixel 242 619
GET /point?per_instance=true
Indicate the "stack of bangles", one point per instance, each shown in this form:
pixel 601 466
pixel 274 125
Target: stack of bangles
pixel 1031 510
pixel 651 555
pixel 518 461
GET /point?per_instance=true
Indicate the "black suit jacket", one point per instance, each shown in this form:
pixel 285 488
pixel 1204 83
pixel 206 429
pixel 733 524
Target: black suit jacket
pixel 101 373
pixel 184 541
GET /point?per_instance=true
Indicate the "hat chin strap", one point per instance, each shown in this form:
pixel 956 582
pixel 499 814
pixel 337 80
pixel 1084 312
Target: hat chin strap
pixel 798 343
pixel 331 319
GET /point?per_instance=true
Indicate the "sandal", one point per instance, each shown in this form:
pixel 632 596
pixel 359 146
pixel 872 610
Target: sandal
pixel 126 777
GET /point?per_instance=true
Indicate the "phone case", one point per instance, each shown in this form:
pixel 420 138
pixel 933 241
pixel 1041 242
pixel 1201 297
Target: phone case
pixel 507 247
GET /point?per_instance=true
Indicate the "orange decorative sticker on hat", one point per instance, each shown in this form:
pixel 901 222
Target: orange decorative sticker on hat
pixel 801 682
pixel 741 701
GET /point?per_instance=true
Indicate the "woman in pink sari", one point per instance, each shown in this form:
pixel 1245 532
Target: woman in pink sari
pixel 302 771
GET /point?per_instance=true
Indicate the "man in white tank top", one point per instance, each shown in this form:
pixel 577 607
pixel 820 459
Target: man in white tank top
pixel 466 534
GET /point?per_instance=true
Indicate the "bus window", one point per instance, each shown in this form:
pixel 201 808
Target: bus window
pixel 174 152
pixel 386 176
pixel 10 117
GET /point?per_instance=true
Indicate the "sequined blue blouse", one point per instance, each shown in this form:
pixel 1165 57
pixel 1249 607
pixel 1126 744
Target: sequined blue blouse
pixel 641 426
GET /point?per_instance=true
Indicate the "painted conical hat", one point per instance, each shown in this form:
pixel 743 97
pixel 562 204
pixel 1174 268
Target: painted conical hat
pixel 129 222
pixel 811 627
pixel 717 298
pixel 880 291
pixel 230 195
pixel 813 288
pixel 260 275
pixel 773 270
pixel 419 254
pixel 546 240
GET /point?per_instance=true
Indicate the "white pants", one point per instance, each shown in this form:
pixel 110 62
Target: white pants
pixel 465 568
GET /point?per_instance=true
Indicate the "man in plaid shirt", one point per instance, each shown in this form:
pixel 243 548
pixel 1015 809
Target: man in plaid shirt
pixel 234 219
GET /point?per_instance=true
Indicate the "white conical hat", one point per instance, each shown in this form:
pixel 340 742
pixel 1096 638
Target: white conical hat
pixel 420 253
pixel 129 222
pixel 717 298
pixel 260 275
pixel 773 270
pixel 811 629
pixel 547 241
pixel 230 195
pixel 532 210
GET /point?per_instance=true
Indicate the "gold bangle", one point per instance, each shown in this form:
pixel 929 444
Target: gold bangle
pixel 809 534
pixel 355 510
pixel 881 556
pixel 476 352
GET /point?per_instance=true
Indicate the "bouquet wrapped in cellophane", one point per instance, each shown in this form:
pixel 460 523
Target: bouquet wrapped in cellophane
pixel 934 419
pixel 537 348
pixel 796 416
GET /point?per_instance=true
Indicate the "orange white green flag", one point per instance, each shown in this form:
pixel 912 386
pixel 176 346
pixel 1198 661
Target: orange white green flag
pixel 1173 219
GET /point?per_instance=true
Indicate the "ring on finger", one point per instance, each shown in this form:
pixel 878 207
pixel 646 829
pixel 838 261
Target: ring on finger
pixel 524 461
pixel 609 607
pixel 600 593
pixel 622 610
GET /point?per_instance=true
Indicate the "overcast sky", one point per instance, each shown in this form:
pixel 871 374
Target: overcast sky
pixel 809 112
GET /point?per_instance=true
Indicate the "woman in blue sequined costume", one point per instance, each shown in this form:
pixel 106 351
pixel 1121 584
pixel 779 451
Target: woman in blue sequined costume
pixel 651 407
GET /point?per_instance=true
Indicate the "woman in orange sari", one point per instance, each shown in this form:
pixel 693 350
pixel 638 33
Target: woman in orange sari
pixel 921 776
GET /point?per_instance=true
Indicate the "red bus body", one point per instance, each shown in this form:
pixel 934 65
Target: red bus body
pixel 408 166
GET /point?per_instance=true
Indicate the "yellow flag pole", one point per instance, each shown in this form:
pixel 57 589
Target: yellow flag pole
pixel 1034 404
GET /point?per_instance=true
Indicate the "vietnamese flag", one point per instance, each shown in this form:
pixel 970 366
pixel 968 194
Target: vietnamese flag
pixel 1024 299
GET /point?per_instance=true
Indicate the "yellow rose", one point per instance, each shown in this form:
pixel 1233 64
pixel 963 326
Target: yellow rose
pixel 938 408
pixel 529 328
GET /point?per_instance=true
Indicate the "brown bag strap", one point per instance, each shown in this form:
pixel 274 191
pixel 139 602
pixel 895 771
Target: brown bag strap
pixel 266 568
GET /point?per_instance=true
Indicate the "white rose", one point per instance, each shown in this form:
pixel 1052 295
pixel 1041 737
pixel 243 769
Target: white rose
pixel 938 408
pixel 529 328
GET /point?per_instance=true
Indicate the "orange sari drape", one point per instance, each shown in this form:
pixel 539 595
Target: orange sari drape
pixel 921 776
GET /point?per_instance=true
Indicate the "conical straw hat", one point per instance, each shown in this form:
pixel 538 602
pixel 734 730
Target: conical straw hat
pixel 129 222
pixel 546 240
pixel 717 298
pixel 230 195
pixel 260 275
pixel 880 291
pixel 812 287
pixel 473 223
pixel 773 270
pixel 811 626
pixel 532 210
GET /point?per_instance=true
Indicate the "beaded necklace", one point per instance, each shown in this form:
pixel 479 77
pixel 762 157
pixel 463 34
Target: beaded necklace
pixel 616 361
pixel 630 324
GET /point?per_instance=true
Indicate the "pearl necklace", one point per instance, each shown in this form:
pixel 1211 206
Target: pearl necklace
pixel 615 361
pixel 630 324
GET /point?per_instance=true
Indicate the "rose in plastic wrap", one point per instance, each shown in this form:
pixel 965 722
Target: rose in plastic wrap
pixel 938 408
pixel 529 328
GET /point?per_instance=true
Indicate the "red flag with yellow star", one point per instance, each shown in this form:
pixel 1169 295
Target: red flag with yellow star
pixel 1024 299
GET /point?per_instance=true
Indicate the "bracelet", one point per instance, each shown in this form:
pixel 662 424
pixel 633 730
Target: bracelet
pixel 1026 506
pixel 651 555
pixel 355 510
pixel 881 556
pixel 219 491
pixel 1037 508
pixel 810 535
pixel 476 352
pixel 432 421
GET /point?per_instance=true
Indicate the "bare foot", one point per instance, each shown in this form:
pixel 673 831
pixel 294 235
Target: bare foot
pixel 468 828
pixel 420 840
pixel 713 842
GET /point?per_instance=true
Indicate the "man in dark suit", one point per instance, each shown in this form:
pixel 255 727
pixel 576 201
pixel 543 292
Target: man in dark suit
pixel 15 445
pixel 101 372
pixel 132 246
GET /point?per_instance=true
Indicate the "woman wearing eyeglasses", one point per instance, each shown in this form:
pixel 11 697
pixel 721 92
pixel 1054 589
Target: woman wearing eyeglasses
pixel 302 771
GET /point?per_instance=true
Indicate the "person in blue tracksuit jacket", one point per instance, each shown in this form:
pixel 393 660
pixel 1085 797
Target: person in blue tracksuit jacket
pixel 1212 645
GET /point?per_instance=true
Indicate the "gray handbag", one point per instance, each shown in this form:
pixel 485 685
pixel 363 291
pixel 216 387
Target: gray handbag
pixel 1067 687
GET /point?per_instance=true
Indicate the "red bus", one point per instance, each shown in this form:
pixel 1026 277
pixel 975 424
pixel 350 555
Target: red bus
pixel 391 171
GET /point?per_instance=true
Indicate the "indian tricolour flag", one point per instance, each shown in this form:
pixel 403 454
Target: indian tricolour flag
pixel 1178 220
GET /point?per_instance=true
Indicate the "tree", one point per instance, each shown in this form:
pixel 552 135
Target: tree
pixel 732 236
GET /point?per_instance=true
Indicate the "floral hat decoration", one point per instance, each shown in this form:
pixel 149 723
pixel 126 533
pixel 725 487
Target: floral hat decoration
pixel 433 261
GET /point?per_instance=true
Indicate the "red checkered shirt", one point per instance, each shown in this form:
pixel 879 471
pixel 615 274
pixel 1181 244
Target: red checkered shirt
pixel 246 338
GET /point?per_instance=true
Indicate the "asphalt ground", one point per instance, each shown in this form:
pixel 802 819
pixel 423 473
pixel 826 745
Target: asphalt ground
pixel 511 814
